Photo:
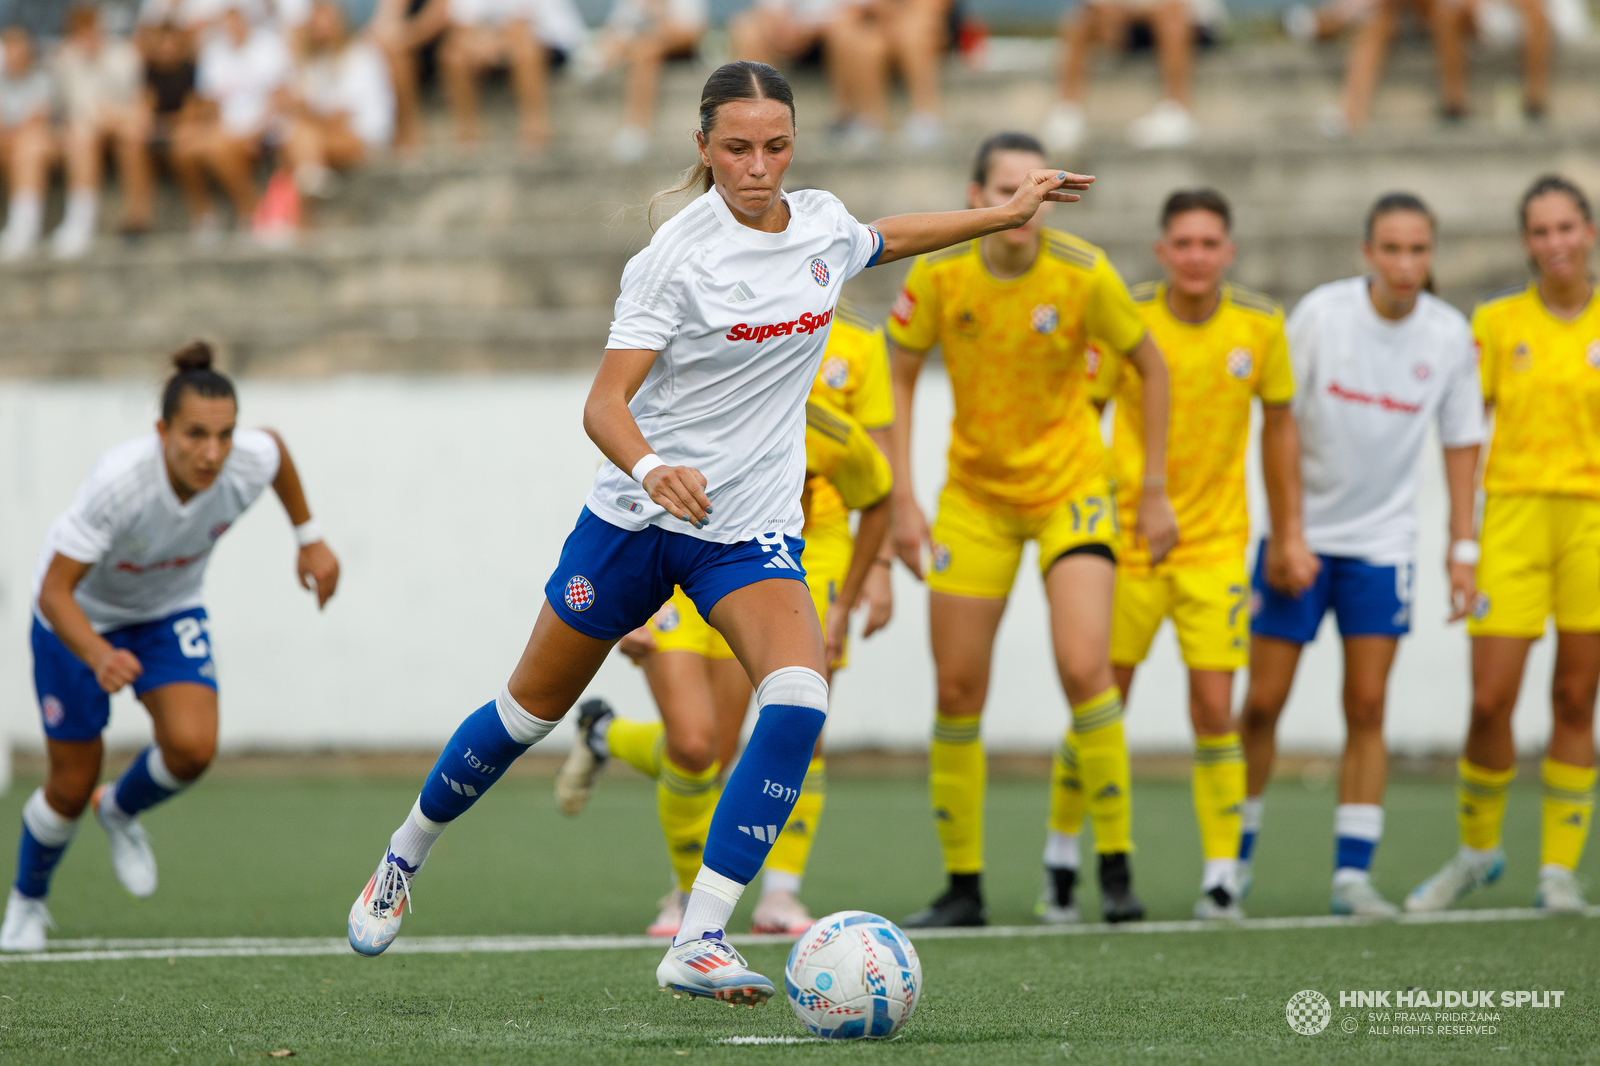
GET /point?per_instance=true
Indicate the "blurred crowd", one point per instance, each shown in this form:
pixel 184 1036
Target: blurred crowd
pixel 266 102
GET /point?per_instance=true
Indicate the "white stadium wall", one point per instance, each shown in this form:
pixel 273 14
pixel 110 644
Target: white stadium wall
pixel 448 499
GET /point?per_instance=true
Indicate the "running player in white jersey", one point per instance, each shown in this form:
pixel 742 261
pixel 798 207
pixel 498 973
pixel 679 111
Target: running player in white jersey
pixel 116 602
pixel 1376 359
pixel 718 335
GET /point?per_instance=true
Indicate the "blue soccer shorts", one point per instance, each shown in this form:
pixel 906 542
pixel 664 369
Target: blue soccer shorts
pixel 1367 600
pixel 173 650
pixel 610 580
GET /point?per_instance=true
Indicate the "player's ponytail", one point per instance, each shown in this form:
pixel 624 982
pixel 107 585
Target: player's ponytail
pixel 193 372
pixel 743 80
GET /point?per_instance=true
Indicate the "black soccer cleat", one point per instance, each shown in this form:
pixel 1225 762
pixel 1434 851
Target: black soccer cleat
pixel 961 905
pixel 1117 901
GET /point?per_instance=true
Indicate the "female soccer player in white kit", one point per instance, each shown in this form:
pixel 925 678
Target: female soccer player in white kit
pixel 117 603
pixel 1376 359
pixel 719 332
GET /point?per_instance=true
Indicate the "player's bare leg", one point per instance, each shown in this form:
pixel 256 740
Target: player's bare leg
pixel 1272 668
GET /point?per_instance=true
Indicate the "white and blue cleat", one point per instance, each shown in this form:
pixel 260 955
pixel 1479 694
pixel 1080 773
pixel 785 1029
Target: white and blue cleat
pixel 711 969
pixel 375 915
pixel 1462 874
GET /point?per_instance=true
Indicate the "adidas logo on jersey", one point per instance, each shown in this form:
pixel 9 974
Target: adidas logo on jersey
pixel 741 292
pixel 764 834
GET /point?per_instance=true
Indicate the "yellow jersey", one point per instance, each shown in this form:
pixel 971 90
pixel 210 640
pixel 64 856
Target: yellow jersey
pixel 840 455
pixel 1025 435
pixel 1215 367
pixel 1543 377
pixel 853 380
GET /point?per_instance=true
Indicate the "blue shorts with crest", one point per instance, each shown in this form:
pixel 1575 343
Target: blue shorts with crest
pixel 1367 600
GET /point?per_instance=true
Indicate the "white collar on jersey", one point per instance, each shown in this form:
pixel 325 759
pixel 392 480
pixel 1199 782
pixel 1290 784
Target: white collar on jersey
pixel 740 232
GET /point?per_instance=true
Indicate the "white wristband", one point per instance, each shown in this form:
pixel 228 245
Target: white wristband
pixel 645 465
pixel 1465 552
pixel 307 533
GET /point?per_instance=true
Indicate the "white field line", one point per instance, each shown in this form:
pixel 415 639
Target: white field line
pixel 97 950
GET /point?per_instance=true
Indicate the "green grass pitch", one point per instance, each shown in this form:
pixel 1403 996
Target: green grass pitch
pixel 263 857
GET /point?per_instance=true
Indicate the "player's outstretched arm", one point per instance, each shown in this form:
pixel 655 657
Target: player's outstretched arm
pixel 113 667
pixel 878 591
pixel 1461 478
pixel 870 532
pixel 908 235
pixel 316 567
pixel 1291 566
pixel 609 423
pixel 910 524
pixel 1156 524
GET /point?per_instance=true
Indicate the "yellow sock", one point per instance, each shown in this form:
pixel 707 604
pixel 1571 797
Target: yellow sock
pixel 685 800
pixel 793 848
pixel 638 744
pixel 1568 802
pixel 1066 788
pixel 1218 793
pixel 957 775
pixel 1103 769
pixel 1481 803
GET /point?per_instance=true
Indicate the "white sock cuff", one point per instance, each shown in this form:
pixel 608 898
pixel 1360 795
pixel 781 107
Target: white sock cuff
pixel 1250 812
pixel 1221 872
pixel 523 727
pixel 724 888
pixel 780 881
pixel 48 828
pixel 1363 821
pixel 159 773
pixel 423 822
pixel 794 686
pixel 1061 851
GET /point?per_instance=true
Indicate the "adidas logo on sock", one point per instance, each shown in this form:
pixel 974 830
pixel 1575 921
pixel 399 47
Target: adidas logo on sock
pixel 1111 791
pixel 465 790
pixel 766 835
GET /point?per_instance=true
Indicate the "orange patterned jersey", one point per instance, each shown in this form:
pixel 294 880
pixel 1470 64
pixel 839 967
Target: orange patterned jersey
pixel 1543 377
pixel 1215 367
pixel 1025 434
pixel 853 379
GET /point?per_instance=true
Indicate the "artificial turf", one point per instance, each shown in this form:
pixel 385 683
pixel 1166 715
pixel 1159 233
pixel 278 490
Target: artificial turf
pixel 284 857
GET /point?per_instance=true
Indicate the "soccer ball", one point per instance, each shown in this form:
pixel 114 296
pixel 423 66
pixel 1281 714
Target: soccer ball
pixel 853 975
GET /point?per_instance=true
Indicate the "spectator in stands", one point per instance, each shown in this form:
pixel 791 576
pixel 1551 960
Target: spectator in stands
pixel 1497 22
pixel 239 70
pixel 340 108
pixel 870 38
pixel 529 36
pixel 780 31
pixel 101 82
pixel 27 145
pixel 642 35
pixel 1173 26
pixel 169 76
pixel 400 35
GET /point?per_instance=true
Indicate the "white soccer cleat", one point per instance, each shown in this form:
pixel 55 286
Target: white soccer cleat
pixel 575 780
pixel 1558 892
pixel 26 920
pixel 376 913
pixel 1455 879
pixel 781 912
pixel 1065 128
pixel 670 920
pixel 711 969
pixel 1168 125
pixel 131 858
pixel 1244 876
pixel 1049 910
pixel 1218 905
pixel 1358 899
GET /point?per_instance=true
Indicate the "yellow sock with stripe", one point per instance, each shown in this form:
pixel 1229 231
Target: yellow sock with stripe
pixel 639 744
pixel 1568 803
pixel 788 856
pixel 1219 785
pixel 1481 804
pixel 685 800
pixel 1104 771
pixel 957 777
pixel 1066 788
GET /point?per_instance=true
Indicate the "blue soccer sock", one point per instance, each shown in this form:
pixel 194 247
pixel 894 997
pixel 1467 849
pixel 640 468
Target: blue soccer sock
pixel 1249 826
pixel 45 836
pixel 758 797
pixel 491 739
pixel 145 783
pixel 1357 828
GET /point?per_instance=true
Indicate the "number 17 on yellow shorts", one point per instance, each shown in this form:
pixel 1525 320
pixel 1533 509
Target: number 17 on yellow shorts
pixel 977 545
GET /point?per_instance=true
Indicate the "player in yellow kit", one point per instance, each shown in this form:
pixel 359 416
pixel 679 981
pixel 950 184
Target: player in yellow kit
pixel 1013 313
pixel 1539 351
pixel 703 693
pixel 1224 346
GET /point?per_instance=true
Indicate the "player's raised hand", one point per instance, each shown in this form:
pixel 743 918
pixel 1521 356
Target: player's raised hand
pixel 910 533
pixel 638 644
pixel 1157 524
pixel 682 491
pixel 117 667
pixel 1058 186
pixel 318 569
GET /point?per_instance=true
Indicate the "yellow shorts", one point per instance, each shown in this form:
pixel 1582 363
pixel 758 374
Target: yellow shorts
pixel 977 546
pixel 827 561
pixel 679 627
pixel 1541 557
pixel 1208 605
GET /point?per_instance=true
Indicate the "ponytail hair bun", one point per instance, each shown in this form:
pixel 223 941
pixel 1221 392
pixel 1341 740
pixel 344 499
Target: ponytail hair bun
pixel 196 355
pixel 193 372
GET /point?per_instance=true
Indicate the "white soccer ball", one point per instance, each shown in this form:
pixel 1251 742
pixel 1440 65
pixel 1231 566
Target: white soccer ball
pixel 853 975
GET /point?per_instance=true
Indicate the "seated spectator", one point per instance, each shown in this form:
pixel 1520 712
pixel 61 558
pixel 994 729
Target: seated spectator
pixel 866 41
pixel 775 32
pixel 240 68
pixel 643 35
pixel 168 78
pixel 1174 27
pixel 27 146
pixel 400 35
pixel 529 36
pixel 340 109
pixel 101 82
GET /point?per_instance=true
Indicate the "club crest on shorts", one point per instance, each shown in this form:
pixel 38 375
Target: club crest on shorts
pixel 579 594
pixel 1240 363
pixel 54 712
pixel 1591 354
pixel 1480 606
pixel 666 619
pixel 941 558
pixel 1045 318
pixel 819 272
pixel 836 372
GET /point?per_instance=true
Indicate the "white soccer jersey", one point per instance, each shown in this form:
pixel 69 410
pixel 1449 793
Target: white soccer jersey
pixel 1365 390
pixel 740 318
pixel 149 551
